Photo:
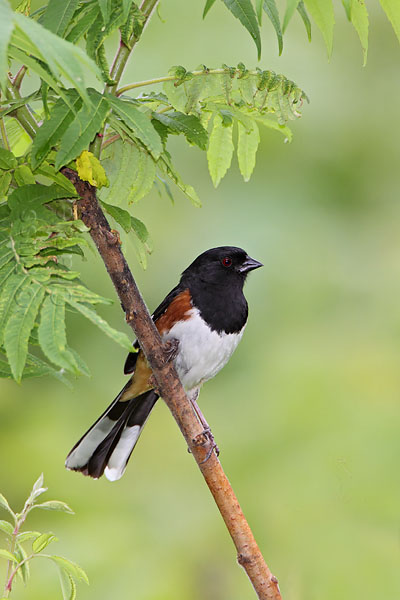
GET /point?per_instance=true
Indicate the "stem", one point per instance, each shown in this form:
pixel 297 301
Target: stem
pixel 10 578
pixel 139 84
pixel 4 137
pixel 171 390
pixel 19 77
pixel 22 114
pixel 120 60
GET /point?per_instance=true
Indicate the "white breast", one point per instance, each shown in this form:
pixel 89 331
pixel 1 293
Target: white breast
pixel 202 352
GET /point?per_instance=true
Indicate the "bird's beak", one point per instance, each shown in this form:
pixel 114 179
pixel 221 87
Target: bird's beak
pixel 250 264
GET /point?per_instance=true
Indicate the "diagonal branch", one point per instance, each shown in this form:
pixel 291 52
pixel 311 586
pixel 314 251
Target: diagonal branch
pixel 171 390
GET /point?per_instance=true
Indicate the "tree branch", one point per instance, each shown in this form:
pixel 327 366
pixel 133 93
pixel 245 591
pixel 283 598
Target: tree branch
pixel 171 390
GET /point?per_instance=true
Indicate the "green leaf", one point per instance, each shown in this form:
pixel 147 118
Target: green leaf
pixel 19 327
pixel 139 123
pixel 208 5
pixel 189 125
pixel 8 556
pixel 49 171
pixel 24 569
pixel 53 128
pixel 6 29
pixel 5 180
pixel 7 159
pixel 61 57
pixel 392 10
pixel 58 15
pixel 119 214
pixel 248 141
pixel 322 13
pixel 9 296
pixel 52 336
pixel 291 6
pixel 86 124
pixel 271 124
pixel 68 585
pixel 40 543
pixel 26 536
pixel 244 11
pixel 72 568
pixel 307 23
pixel 130 170
pixel 188 190
pixel 273 15
pixel 140 230
pixel 55 505
pixel 220 150
pixel 259 10
pixel 118 336
pixel 6 527
pixel 359 18
pixel 84 24
pixel 23 175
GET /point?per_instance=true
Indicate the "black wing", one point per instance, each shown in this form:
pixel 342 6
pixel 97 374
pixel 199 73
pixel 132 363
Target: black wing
pixel 131 359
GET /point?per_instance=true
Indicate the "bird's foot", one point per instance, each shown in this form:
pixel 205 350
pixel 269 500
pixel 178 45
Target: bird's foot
pixel 206 438
pixel 171 349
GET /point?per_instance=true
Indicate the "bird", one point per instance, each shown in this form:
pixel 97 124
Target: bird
pixel 203 318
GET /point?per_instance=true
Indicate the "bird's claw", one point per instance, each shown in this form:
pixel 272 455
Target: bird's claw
pixel 203 438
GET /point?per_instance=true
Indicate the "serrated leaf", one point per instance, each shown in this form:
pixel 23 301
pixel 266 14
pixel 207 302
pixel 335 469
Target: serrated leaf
pixel 291 6
pixel 72 568
pixel 52 336
pixel 271 124
pixel 301 9
pixel 8 556
pixel 8 298
pixel 47 170
pixel 140 230
pixel 118 336
pixel 244 11
pixel 248 141
pixel 53 128
pixel 40 543
pixel 90 169
pixel 392 10
pixel 6 527
pixel 139 123
pixel 23 175
pixel 86 124
pixel 7 159
pixel 220 150
pixel 359 18
pixel 62 58
pixel 130 170
pixel 19 326
pixel 55 505
pixel 188 190
pixel 207 7
pixel 5 180
pixel 84 24
pixel 322 13
pixel 273 15
pixel 58 15
pixel 6 29
pixel 189 125
pixel 118 214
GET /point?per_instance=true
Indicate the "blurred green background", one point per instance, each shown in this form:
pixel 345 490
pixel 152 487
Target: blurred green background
pixel 307 412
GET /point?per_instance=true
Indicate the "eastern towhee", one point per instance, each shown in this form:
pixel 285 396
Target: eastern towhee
pixel 206 313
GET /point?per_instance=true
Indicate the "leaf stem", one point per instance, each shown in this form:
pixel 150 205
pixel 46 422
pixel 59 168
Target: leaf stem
pixel 19 77
pixel 138 84
pixel 22 114
pixel 121 58
pixel 4 137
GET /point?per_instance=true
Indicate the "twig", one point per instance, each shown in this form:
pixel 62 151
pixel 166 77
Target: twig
pixel 121 58
pixel 171 390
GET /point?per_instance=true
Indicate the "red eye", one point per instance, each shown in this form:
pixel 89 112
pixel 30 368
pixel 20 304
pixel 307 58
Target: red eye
pixel 227 262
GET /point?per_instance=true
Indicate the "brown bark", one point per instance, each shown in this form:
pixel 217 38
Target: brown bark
pixel 171 390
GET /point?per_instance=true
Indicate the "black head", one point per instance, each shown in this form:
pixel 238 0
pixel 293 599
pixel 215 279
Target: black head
pixel 218 265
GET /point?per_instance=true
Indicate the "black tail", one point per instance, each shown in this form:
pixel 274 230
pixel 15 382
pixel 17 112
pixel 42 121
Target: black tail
pixel 108 444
